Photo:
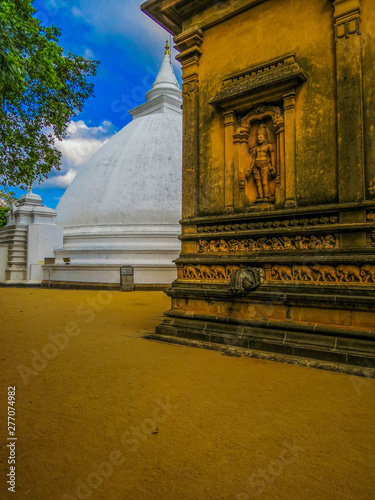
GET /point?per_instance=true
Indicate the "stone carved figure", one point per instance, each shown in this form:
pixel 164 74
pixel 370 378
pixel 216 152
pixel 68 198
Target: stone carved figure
pixel 348 273
pixel 282 273
pixel 213 246
pixel 329 241
pixel 190 272
pixel 368 273
pixel 224 247
pixel 302 273
pixel 325 273
pixel 220 273
pixel 204 246
pixel 262 163
pixel 205 272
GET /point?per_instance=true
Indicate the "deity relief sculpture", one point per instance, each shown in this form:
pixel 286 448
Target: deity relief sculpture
pixel 262 163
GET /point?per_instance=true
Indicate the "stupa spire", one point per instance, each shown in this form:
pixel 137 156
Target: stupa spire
pixel 165 96
pixel 166 82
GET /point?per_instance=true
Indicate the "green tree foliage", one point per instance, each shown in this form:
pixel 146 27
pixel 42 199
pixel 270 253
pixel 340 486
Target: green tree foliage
pixel 41 89
pixel 3 212
pixel 7 197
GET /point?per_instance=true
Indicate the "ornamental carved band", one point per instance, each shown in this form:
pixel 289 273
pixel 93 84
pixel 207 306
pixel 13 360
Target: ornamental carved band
pixel 202 272
pixel 273 244
pixel 324 273
pixel 303 273
pixel 276 223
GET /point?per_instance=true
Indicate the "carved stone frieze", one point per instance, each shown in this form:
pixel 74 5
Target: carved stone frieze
pixel 371 215
pixel 202 272
pixel 273 111
pixel 278 223
pixel 270 73
pixel 276 243
pixel 324 273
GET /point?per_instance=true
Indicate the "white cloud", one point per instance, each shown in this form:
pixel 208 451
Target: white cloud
pixel 89 53
pixel 62 181
pixel 123 20
pixel 80 144
pixel 76 12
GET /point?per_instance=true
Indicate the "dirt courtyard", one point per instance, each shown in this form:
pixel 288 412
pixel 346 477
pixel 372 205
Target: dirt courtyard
pixel 102 413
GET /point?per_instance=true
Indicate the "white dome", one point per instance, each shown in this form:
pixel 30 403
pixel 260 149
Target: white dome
pixel 135 178
pixel 123 207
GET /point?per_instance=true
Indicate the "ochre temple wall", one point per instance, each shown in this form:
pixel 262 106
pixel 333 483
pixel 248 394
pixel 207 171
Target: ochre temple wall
pixel 233 46
pixel 368 64
pixel 278 228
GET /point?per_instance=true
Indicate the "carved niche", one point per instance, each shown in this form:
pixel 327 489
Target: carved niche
pixel 258 150
pixel 258 107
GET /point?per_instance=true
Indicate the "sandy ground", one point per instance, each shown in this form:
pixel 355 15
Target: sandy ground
pixel 109 415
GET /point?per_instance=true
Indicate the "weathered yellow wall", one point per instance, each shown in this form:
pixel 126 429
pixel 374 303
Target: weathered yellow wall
pixel 368 61
pixel 305 28
pixel 316 256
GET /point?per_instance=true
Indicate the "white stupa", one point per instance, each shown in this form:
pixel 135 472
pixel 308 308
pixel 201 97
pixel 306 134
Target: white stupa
pixel 123 207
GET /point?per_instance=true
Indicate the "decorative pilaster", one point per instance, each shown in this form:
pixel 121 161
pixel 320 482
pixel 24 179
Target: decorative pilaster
pixel 229 127
pixel 188 44
pixel 290 149
pixel 351 173
pixel 240 145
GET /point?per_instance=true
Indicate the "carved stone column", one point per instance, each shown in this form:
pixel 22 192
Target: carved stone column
pixel 351 172
pixel 229 124
pixel 188 44
pixel 240 140
pixel 290 149
pixel 280 191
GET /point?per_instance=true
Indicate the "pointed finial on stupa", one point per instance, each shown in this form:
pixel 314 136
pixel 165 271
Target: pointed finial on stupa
pixel 166 82
pixel 30 188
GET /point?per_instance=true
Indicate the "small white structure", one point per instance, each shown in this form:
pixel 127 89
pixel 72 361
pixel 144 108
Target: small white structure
pixel 30 236
pixel 123 207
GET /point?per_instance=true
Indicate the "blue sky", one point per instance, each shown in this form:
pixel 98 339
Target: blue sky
pixel 130 48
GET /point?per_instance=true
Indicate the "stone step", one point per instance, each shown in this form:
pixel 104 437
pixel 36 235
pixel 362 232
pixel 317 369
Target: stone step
pixel 351 348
